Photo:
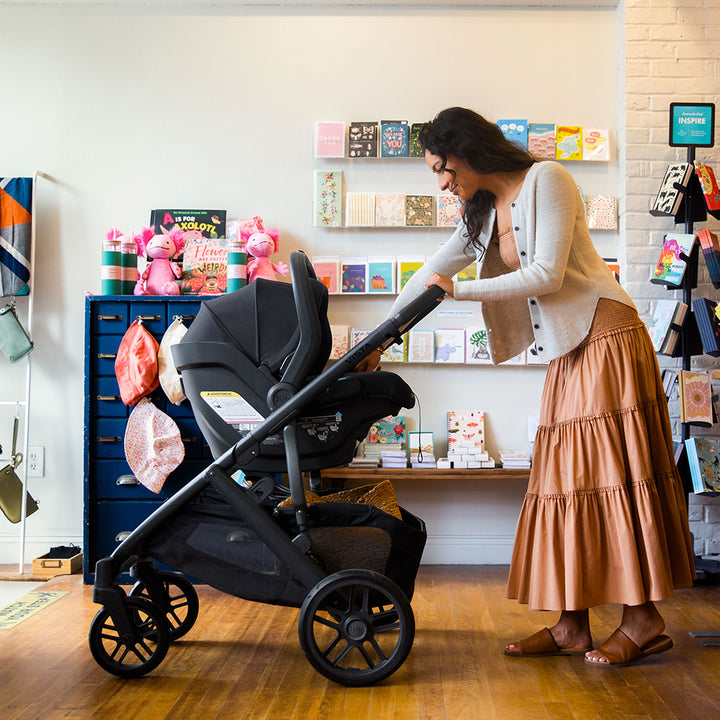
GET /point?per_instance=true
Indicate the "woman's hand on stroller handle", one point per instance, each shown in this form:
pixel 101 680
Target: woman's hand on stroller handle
pixel 371 362
pixel 443 282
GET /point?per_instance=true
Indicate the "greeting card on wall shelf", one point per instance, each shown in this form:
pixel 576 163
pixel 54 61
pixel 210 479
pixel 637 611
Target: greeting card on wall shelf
pixel 450 345
pixel 363 139
pixel 407 267
pixel 327 271
pixel 515 130
pixel 421 346
pixel 353 275
pixel 695 398
pixel 397 352
pixel 602 212
pixel 568 142
pixel 416 149
pixel 596 144
pixel 390 209
pixel 711 253
pixel 381 275
pixel 709 186
pixel 394 138
pixel 360 209
pixel 541 141
pixel 477 348
pixel 330 139
pixel 357 335
pixel 340 341
pixel 532 356
pixel 419 210
pixel 467 274
pixel 328 198
pixel 672 189
pixel 672 262
pixel 449 210
pixel 517 360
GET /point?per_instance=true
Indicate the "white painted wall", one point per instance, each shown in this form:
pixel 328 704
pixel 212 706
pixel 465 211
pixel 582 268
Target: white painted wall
pixel 133 108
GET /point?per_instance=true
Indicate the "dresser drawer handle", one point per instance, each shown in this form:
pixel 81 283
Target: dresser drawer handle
pixel 122 535
pixel 127 480
pixel 109 398
pixel 109 439
pixel 109 317
pixel 106 356
pixel 188 440
pixel 144 318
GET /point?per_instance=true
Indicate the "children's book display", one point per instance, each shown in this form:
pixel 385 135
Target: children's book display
pixel 708 322
pixel 666 324
pixel 703 457
pixel 673 259
pixel 695 398
pixel 189 252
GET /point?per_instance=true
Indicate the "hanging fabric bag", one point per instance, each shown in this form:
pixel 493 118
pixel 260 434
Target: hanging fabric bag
pixel 11 486
pixel 14 341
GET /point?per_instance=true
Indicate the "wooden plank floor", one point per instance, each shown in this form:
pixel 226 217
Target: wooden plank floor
pixel 242 661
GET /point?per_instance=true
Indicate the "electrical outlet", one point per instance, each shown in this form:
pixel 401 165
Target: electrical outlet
pixel 36 461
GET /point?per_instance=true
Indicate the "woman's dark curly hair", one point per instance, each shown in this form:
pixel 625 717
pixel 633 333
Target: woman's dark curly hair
pixel 480 143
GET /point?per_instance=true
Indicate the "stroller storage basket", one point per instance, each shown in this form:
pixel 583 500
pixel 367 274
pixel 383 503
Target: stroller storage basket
pixel 207 542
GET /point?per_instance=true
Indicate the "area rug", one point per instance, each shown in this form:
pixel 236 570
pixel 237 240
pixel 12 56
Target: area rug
pixel 22 608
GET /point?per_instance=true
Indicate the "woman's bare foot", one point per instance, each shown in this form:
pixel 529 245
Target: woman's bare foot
pixel 641 623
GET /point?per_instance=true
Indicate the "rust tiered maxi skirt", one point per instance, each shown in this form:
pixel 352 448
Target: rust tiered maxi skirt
pixel 604 519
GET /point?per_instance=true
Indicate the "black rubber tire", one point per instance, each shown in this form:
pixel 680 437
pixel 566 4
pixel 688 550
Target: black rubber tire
pixel 356 627
pixel 180 604
pixel 148 644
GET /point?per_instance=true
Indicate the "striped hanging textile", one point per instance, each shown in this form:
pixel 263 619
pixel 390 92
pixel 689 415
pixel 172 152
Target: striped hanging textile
pixel 15 234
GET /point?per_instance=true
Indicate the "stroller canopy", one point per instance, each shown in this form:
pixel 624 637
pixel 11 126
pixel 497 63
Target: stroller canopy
pixel 261 321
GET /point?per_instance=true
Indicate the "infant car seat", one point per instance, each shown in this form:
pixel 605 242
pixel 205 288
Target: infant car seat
pixel 249 351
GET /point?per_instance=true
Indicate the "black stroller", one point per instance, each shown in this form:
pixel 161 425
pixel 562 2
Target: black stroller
pixel 252 365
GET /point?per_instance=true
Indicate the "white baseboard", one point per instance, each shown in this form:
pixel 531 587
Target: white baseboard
pixel 439 550
pixel 468 550
pixel 35 545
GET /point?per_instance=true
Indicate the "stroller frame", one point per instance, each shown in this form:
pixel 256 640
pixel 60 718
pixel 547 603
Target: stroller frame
pixel 141 625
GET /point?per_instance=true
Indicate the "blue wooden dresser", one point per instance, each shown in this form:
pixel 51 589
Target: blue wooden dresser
pixel 114 502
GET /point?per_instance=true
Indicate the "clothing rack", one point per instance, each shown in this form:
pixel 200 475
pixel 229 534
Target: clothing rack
pixel 25 403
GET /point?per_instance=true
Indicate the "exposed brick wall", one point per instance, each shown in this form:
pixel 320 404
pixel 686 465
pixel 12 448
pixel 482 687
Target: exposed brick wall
pixel 671 54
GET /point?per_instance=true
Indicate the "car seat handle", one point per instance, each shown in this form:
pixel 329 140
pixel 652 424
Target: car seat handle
pixel 301 274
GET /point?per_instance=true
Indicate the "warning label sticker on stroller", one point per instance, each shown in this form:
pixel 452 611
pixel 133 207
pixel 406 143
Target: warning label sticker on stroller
pixel 233 409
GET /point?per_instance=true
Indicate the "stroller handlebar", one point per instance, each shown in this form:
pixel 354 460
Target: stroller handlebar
pixel 412 313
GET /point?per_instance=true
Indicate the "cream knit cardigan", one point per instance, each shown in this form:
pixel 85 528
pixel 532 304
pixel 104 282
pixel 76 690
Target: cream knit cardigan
pixel 551 299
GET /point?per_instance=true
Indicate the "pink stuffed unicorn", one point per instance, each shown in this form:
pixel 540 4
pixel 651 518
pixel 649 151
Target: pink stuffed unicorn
pixel 261 243
pixel 161 273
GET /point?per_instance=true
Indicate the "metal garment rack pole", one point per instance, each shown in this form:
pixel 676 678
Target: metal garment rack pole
pixel 28 371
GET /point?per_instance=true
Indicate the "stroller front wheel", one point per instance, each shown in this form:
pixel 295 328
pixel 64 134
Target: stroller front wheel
pixel 356 627
pixel 134 650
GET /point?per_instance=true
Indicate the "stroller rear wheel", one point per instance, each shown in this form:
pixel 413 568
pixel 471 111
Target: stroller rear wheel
pixel 179 601
pixel 136 650
pixel 356 627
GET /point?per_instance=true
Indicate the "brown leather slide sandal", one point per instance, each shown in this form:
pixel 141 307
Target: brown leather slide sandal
pixel 621 651
pixel 541 644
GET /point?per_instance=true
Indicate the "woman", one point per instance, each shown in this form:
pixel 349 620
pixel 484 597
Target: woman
pixel 604 518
